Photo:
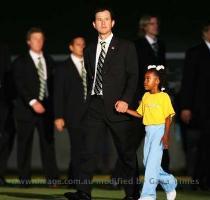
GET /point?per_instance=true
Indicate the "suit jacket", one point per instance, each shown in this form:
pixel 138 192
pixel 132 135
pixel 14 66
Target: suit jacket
pixel 195 94
pixel 27 85
pixel 68 94
pixel 4 70
pixel 146 56
pixel 120 74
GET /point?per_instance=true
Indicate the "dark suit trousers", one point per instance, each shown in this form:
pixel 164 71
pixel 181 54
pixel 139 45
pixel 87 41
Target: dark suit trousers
pixel 138 131
pixel 7 136
pixel 25 131
pixel 75 136
pixel 95 121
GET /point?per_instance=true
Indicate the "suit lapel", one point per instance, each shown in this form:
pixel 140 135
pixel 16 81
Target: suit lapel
pixel 32 65
pixel 48 66
pixel 149 47
pixel 113 47
pixel 74 68
pixel 92 54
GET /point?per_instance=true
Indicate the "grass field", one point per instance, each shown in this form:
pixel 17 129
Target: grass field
pixel 36 192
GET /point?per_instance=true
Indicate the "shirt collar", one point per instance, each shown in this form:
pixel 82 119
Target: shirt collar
pixel 75 58
pixel 150 39
pixel 35 55
pixel 107 40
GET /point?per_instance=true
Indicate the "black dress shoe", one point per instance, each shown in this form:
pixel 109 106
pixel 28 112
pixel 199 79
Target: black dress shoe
pixel 77 196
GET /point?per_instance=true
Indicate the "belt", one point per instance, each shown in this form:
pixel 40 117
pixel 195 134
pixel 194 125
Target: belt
pixel 97 96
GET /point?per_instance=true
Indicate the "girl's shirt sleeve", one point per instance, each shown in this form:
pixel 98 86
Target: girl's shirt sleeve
pixel 168 109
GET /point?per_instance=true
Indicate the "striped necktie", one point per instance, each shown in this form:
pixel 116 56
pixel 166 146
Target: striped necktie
pixel 84 80
pixel 42 85
pixel 98 82
pixel 155 48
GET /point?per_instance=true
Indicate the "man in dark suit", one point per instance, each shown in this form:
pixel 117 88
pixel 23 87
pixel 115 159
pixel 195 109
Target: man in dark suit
pixel 195 108
pixel 7 126
pixel 112 70
pixel 150 51
pixel 33 73
pixel 70 91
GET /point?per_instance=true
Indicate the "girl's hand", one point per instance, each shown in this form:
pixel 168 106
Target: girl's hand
pixel 165 141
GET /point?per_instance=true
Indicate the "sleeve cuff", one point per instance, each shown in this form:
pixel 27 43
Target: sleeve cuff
pixel 32 102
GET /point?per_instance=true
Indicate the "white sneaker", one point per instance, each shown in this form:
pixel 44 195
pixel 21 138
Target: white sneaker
pixel 171 195
pixel 146 198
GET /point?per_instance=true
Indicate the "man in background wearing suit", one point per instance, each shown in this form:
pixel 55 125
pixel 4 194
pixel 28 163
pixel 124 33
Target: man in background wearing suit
pixel 7 125
pixel 195 108
pixel 33 73
pixel 70 91
pixel 112 70
pixel 150 51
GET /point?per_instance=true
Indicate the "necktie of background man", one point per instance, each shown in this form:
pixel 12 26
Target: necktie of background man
pixel 42 86
pixel 155 48
pixel 84 80
pixel 99 82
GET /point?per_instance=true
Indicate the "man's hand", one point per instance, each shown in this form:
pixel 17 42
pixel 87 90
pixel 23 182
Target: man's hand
pixel 121 106
pixel 59 124
pixel 38 107
pixel 186 116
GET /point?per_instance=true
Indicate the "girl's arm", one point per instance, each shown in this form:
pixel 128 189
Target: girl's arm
pixel 166 136
pixel 133 113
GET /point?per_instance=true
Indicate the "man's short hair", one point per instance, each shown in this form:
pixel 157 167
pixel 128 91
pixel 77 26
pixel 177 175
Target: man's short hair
pixel 206 26
pixel 143 22
pixel 101 9
pixel 34 30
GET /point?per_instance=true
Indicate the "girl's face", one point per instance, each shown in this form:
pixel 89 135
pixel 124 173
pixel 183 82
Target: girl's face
pixel 151 82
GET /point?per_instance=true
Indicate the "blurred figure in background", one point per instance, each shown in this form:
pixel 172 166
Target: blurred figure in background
pixel 195 108
pixel 33 73
pixel 70 90
pixel 151 51
pixel 7 125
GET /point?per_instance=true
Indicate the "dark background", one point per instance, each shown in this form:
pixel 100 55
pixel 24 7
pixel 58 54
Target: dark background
pixel 180 21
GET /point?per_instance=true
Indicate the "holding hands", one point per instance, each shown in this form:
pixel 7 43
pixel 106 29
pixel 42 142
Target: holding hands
pixel 121 106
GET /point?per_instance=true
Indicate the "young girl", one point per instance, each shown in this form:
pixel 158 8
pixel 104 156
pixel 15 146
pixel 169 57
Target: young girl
pixel 157 113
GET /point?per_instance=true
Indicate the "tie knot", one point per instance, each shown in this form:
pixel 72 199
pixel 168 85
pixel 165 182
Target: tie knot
pixel 82 62
pixel 103 43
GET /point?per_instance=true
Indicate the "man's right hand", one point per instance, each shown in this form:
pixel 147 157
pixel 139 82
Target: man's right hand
pixel 38 107
pixel 186 116
pixel 59 124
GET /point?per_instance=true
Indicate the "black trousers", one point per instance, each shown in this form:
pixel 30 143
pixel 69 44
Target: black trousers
pixel 95 121
pixel 203 161
pixel 75 136
pixel 25 131
pixel 138 133
pixel 7 136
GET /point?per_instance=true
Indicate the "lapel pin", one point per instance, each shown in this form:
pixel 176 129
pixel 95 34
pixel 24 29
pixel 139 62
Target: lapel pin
pixel 112 48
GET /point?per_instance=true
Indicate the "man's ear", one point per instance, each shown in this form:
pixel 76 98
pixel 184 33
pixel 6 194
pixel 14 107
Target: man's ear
pixel 70 47
pixel 113 23
pixel 94 25
pixel 28 42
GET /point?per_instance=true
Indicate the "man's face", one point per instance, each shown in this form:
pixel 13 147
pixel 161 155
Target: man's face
pixel 77 46
pixel 152 28
pixel 103 22
pixel 36 42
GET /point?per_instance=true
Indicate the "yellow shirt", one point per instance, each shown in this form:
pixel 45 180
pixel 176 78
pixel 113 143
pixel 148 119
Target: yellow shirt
pixel 155 108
